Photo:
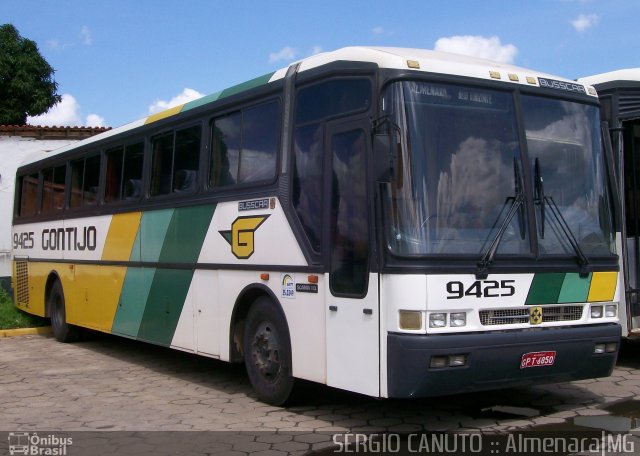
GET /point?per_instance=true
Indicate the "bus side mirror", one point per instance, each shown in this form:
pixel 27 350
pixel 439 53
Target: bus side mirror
pixel 385 156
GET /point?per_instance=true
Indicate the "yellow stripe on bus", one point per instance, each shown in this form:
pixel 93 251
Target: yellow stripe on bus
pixel 603 286
pixel 164 114
pixel 121 236
pixel 97 291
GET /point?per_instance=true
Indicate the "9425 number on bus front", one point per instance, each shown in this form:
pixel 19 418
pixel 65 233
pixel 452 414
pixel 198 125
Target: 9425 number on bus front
pixel 481 289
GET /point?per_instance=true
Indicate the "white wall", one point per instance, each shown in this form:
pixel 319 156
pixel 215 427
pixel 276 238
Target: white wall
pixel 13 151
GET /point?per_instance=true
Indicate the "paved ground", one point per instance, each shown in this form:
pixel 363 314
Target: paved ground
pixel 113 384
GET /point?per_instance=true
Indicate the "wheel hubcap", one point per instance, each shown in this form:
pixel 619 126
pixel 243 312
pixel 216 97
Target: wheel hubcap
pixel 266 350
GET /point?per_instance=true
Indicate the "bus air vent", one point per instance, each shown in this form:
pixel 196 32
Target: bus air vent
pixel 22 282
pixel 520 315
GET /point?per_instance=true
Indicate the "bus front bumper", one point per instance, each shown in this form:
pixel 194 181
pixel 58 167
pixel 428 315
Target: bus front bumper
pixel 495 359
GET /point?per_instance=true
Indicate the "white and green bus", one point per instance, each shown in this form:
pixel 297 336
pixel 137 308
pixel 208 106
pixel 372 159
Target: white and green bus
pixel 393 222
pixel 619 93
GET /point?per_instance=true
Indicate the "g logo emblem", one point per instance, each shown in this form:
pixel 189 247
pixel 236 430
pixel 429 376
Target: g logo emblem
pixel 241 235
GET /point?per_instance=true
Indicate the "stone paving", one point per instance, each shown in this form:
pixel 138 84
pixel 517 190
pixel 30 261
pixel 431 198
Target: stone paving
pixel 114 384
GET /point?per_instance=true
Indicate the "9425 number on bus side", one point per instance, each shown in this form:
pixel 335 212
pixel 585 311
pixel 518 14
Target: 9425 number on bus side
pixel 481 289
pixel 23 240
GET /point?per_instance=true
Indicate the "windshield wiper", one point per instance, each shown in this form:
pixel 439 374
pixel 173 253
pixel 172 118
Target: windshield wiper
pixel 543 200
pixel 517 202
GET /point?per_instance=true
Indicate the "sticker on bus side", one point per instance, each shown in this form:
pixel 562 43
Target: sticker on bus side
pixel 288 281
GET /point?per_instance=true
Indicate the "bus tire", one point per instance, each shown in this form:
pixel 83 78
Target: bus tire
pixel 267 353
pixel 62 331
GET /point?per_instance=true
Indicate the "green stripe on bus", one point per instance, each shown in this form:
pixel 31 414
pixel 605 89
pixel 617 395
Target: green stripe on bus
pixel 170 236
pixel 153 231
pixel 185 234
pixel 135 291
pixel 260 80
pixel 201 101
pixel 137 248
pixel 164 305
pixel 545 288
pixel 574 288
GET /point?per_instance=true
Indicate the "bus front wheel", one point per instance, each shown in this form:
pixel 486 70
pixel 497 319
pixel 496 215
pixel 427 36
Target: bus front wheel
pixel 62 331
pixel 267 353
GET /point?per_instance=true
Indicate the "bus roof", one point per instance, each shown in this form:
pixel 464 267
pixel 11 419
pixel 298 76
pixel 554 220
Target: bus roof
pixel 424 60
pixel 628 74
pixel 385 57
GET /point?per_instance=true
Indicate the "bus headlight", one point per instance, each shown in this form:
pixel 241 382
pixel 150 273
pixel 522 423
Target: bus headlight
pixel 458 319
pixel 437 320
pixel 596 311
pixel 611 310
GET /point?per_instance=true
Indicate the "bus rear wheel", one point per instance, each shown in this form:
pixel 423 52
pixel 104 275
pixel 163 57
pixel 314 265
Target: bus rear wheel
pixel 267 353
pixel 62 331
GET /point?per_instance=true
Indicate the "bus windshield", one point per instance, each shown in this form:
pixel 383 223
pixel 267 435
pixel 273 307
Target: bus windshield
pixel 460 172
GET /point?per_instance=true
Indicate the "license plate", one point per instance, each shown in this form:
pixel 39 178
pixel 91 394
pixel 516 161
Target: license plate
pixel 537 359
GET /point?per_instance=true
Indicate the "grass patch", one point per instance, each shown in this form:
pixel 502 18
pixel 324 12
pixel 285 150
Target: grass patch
pixel 12 317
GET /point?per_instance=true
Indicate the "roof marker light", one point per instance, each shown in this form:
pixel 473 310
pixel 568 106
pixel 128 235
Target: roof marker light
pixel 513 77
pixel 494 74
pixel 531 80
pixel 413 64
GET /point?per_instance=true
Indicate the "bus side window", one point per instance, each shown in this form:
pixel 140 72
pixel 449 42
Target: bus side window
pixel 47 191
pixel 113 182
pixel 28 195
pixel 225 150
pixel 244 145
pixel 124 173
pixel 260 140
pixel 349 221
pixel 308 168
pixel 132 171
pixel 185 174
pixel 91 181
pixel 174 163
pixel 77 172
pixel 315 105
pixel 161 164
pixel 85 177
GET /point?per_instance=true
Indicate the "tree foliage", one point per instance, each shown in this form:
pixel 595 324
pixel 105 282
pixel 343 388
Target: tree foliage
pixel 27 87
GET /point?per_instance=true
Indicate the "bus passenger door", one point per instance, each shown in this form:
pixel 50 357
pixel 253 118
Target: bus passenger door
pixel 352 313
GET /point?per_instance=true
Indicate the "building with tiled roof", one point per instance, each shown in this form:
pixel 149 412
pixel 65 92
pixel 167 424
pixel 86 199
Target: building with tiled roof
pixel 16 143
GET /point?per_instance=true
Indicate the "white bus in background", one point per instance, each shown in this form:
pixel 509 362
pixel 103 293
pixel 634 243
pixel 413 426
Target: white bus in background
pixel 393 222
pixel 619 93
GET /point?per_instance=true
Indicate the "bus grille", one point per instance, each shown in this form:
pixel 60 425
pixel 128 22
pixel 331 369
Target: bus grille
pixel 521 315
pixel 22 282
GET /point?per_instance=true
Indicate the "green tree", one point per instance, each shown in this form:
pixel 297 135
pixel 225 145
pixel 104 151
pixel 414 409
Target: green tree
pixel 27 87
